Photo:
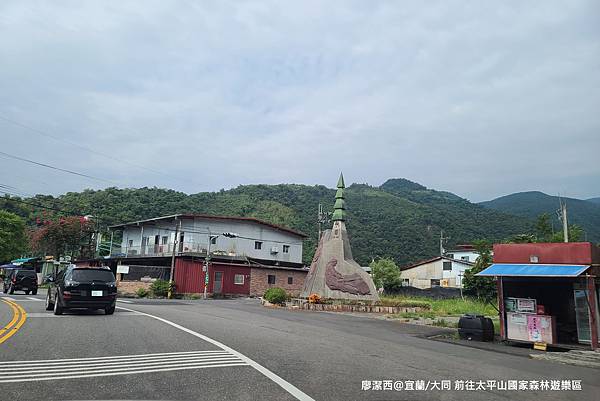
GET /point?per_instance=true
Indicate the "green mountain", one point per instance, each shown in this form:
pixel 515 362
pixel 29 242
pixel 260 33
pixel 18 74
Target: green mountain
pixel 400 219
pixel 594 200
pixel 584 213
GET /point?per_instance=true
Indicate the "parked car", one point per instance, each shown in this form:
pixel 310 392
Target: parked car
pixel 20 280
pixel 82 288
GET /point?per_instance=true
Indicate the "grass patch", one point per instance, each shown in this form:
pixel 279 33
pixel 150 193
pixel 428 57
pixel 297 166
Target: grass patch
pixel 441 307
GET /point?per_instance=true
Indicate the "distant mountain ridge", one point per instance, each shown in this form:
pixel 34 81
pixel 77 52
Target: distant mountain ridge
pixel 400 219
pixel 584 213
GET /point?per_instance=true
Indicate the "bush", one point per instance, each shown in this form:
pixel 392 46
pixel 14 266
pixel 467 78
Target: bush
pixel 160 288
pixel 141 292
pixel 276 295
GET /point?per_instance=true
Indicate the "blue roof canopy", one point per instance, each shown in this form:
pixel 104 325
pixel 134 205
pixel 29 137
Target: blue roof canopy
pixel 533 270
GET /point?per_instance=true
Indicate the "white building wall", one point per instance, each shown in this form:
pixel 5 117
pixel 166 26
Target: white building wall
pixel 421 276
pixel 196 237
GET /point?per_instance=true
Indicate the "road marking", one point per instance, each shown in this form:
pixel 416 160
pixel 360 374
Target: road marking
pixel 9 298
pixel 24 371
pixel 287 386
pixel 124 301
pixel 34 299
pixel 18 319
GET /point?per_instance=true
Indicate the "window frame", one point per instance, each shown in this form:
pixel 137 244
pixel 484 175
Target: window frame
pixel 446 263
pixel 285 249
pixel 431 282
pixel 290 280
pixel 269 279
pixel 235 276
pixel 258 245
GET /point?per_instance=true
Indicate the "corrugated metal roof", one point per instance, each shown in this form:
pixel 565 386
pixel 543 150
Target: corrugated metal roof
pixel 533 270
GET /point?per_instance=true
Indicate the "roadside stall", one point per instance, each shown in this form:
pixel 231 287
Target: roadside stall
pixel 548 293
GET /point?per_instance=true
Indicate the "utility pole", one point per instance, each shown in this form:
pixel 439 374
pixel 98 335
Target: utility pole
pixel 442 240
pixel 177 228
pixel 563 211
pixel 322 217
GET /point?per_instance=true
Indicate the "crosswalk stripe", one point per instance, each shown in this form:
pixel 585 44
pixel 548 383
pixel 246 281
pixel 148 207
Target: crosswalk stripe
pixel 126 372
pixel 5 363
pixel 59 363
pixel 122 367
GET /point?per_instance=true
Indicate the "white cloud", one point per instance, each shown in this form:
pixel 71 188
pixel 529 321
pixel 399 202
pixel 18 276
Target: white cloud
pixel 461 96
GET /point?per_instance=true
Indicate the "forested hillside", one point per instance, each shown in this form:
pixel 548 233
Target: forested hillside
pixel 400 219
pixel 584 213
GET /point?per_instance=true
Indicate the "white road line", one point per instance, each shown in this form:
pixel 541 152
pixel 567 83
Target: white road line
pixel 35 299
pixel 59 363
pixel 78 316
pixel 123 367
pixel 130 372
pixel 220 351
pixel 9 298
pixel 290 388
pixel 124 301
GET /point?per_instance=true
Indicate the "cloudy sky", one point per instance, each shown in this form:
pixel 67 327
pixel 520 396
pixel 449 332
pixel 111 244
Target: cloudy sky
pixel 477 98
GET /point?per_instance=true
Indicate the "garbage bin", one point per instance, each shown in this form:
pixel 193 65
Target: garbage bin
pixel 476 328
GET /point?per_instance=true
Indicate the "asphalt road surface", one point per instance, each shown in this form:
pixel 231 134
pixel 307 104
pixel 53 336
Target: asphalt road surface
pixel 239 350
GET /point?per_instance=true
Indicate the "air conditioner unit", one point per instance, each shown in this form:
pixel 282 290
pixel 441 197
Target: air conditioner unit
pixel 274 250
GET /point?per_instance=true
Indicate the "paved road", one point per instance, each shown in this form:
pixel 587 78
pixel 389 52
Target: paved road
pixel 236 349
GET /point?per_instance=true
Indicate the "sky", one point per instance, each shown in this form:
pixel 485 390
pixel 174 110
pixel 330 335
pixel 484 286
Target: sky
pixel 478 98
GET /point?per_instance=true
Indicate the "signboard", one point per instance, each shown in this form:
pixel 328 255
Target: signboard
pixel 525 305
pixel 122 269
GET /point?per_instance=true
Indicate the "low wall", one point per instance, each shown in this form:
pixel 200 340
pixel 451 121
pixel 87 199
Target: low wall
pixel 355 308
pixel 130 287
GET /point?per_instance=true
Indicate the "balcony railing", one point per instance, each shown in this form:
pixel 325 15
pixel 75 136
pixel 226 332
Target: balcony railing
pixel 161 249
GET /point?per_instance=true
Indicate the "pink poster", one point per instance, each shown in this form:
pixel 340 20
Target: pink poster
pixel 540 329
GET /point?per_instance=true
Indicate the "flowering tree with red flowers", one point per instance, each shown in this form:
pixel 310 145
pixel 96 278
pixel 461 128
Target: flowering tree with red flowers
pixel 63 236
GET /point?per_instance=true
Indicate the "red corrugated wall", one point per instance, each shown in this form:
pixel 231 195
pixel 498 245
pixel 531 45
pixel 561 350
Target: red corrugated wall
pixel 577 253
pixel 189 277
pixel 229 271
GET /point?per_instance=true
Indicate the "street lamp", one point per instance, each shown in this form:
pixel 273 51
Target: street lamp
pixel 207 259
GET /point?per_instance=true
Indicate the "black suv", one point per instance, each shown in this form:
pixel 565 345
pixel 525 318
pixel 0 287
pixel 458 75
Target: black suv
pixel 82 288
pixel 21 280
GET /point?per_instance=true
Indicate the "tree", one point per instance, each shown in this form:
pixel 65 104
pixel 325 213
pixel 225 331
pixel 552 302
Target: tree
pixel 482 287
pixel 67 235
pixel 543 228
pixel 386 274
pixel 13 240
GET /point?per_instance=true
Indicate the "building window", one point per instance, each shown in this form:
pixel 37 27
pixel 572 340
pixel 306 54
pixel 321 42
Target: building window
pixel 290 280
pixel 165 240
pixel 271 279
pixel 213 240
pixel 238 279
pixel 450 255
pixel 464 258
pixel 286 249
pixel 257 244
pixel 447 266
pixel 405 282
pixel 435 282
pixel 130 244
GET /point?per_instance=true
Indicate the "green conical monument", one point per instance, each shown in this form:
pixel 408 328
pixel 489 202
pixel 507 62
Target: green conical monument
pixel 339 209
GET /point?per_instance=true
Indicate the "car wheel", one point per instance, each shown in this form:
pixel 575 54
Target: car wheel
pixel 11 290
pixel 110 310
pixel 49 305
pixel 58 309
pixel 34 292
pixel 27 292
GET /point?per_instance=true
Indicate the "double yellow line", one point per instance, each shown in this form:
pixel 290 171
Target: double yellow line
pixel 18 319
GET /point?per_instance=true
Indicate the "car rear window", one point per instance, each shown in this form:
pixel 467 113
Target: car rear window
pixel 92 275
pixel 26 273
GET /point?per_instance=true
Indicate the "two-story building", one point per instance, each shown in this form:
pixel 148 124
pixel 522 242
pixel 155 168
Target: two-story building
pixel 246 255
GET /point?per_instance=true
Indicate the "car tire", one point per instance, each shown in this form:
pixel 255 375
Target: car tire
pixel 34 292
pixel 58 309
pixel 27 292
pixel 11 290
pixel 49 305
pixel 110 310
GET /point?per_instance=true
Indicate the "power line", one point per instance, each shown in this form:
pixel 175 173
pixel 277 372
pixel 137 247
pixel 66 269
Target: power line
pixel 55 168
pixel 86 148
